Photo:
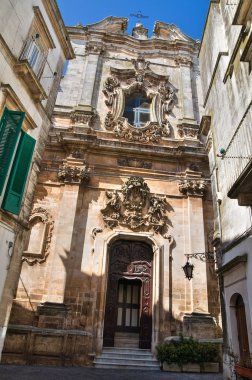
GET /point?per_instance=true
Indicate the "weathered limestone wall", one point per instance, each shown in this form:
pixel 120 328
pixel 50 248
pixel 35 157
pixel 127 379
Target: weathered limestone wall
pixel 87 163
pixel 227 82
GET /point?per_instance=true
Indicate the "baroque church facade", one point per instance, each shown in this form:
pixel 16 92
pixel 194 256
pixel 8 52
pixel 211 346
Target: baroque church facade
pixel 123 196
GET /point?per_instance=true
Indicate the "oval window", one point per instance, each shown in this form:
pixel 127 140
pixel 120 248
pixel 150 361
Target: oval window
pixel 137 109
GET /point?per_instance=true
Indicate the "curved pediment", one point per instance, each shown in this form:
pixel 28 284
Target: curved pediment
pixel 110 24
pixel 170 32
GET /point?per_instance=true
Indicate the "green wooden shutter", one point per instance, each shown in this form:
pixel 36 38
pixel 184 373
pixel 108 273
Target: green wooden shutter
pixel 10 126
pixel 20 169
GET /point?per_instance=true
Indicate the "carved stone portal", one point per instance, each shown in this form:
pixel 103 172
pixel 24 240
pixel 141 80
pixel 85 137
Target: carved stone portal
pixel 136 208
pixel 156 88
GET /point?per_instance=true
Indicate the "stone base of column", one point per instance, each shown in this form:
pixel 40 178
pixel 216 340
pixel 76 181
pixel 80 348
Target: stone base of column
pixel 199 326
pixel 52 315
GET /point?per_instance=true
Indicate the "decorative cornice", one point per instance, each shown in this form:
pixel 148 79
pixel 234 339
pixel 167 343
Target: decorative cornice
pixel 193 188
pixel 54 15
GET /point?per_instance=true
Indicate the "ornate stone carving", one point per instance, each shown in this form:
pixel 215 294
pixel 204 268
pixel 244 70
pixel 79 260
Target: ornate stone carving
pixel 183 61
pixel 93 47
pixel 111 213
pixel 167 97
pixel 109 121
pixel 140 32
pixel 141 66
pixel 124 82
pixel 41 228
pixel 151 133
pixel 193 187
pixel 110 84
pixel 83 117
pixel 74 174
pixel 136 209
pixel 134 162
pixel 190 132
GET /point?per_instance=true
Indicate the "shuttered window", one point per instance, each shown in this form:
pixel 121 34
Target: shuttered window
pixel 10 126
pixel 18 176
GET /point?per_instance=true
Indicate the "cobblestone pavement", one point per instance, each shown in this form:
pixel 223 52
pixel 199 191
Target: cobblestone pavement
pixel 16 372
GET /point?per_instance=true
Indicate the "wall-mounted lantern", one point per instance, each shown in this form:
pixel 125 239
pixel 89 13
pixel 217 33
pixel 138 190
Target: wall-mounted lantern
pixel 204 256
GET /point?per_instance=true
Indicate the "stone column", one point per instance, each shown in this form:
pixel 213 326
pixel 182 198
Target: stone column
pixel 73 173
pixel 186 85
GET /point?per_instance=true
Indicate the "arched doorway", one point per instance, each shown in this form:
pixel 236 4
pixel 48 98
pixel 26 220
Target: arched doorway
pixel 129 297
pixel 242 330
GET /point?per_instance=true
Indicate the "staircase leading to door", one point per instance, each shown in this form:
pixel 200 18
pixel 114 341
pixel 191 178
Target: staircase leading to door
pixel 126 358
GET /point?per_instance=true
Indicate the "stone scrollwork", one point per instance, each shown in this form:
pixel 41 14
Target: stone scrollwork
pixel 193 187
pixel 151 133
pixel 111 83
pixel 74 174
pixel 134 207
pixel 157 89
pixel 167 98
pixel 41 227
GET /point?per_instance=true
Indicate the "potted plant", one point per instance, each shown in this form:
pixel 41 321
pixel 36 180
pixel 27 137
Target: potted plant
pixel 188 355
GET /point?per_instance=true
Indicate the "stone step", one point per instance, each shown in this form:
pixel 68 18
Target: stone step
pixel 145 367
pixel 126 350
pixel 136 361
pixel 123 355
pixel 124 358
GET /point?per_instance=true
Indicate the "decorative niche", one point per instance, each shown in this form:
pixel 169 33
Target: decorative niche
pixel 39 239
pixel 139 103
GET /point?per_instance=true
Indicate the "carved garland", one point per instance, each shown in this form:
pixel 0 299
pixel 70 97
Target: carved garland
pixel 39 215
pixel 157 89
pixel 136 208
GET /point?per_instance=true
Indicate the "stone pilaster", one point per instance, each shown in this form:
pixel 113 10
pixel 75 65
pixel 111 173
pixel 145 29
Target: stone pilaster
pixel 194 190
pixel 73 173
pixel 186 85
pixel 93 49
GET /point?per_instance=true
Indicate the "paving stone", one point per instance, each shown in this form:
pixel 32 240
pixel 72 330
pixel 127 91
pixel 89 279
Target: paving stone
pixel 14 372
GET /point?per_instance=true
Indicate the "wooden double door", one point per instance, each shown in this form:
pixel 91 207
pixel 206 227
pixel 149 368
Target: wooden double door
pixel 129 296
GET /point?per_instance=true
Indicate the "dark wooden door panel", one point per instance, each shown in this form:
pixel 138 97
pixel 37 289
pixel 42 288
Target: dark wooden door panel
pixel 130 262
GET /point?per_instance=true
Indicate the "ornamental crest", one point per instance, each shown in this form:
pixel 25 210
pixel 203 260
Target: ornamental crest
pixel 134 207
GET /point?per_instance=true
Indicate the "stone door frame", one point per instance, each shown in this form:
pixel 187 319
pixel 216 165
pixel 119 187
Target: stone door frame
pixel 157 281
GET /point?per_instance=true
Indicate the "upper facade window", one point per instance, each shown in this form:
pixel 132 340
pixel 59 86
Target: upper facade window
pixel 137 110
pixel 35 53
pixel 38 44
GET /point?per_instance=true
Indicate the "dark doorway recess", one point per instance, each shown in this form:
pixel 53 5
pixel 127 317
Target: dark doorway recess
pixel 129 292
pixel 242 331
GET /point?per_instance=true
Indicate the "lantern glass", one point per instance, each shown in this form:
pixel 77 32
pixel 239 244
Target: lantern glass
pixel 188 270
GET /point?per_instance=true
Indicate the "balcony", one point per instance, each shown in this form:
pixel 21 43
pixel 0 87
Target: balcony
pixel 238 163
pixel 24 70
